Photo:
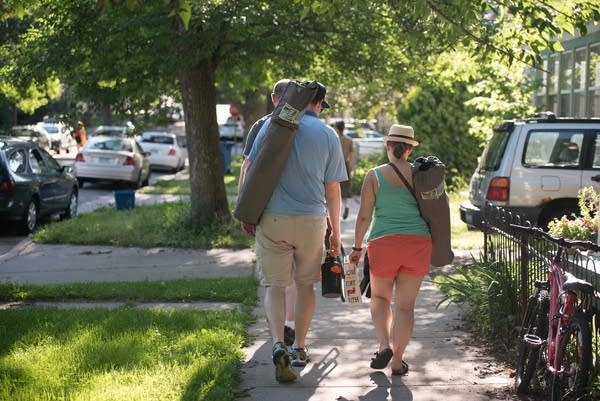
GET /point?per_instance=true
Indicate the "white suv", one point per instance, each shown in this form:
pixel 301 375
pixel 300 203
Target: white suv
pixel 535 168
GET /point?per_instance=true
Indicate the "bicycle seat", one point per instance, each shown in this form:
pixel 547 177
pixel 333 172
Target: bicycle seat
pixel 572 283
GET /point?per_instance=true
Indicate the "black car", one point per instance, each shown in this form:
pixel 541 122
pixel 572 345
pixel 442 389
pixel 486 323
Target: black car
pixel 33 185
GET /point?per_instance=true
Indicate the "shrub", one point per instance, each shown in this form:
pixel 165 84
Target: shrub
pixel 583 227
pixel 490 293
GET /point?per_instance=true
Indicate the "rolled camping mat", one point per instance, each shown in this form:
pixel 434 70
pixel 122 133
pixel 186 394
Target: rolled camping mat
pixel 428 183
pixel 264 173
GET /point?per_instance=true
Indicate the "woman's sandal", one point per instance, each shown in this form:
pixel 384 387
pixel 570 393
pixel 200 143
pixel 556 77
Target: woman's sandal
pixel 382 358
pixel 402 371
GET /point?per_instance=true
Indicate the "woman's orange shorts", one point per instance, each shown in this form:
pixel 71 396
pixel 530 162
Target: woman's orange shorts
pixel 399 253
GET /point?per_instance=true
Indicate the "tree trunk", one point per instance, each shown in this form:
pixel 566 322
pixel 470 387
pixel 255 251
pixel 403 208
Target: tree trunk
pixel 209 200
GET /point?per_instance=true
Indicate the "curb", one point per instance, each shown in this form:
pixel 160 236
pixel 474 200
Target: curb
pixel 16 250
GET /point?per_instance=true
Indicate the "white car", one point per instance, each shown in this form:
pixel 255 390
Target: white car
pixel 105 158
pixel 535 168
pixel 164 150
pixel 60 137
pixel 31 133
pixel 367 142
pixel 114 130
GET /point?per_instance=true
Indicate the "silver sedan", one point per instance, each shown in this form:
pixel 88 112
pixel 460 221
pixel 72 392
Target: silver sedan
pixel 112 159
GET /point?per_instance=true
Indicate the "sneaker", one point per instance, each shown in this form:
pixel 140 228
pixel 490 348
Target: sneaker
pixel 299 357
pixel 281 359
pixel 289 335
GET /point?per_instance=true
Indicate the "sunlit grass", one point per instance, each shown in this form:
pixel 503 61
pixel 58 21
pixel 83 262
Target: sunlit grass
pixel 230 289
pixel 462 237
pixel 122 354
pixel 167 224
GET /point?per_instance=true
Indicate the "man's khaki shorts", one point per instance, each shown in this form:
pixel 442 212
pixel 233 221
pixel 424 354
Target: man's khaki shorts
pixel 290 247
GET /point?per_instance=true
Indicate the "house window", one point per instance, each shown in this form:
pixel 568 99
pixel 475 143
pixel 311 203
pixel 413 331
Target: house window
pixel 553 62
pixel 594 88
pixel 579 83
pixel 566 82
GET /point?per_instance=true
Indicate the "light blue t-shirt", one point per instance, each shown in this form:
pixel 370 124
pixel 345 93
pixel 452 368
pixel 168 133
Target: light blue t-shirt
pixel 315 159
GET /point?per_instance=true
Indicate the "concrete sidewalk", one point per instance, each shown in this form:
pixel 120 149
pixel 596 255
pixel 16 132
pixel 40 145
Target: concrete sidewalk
pixel 443 363
pixel 341 341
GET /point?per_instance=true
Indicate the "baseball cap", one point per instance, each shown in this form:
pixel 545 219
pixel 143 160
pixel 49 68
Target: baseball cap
pixel 320 95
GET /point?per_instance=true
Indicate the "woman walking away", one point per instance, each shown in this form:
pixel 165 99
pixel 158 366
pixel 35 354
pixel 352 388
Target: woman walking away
pixel 399 248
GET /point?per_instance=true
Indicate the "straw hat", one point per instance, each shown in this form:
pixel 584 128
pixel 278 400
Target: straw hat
pixel 401 133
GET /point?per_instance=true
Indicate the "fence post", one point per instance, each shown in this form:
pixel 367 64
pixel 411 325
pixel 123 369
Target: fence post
pixel 485 232
pixel 524 290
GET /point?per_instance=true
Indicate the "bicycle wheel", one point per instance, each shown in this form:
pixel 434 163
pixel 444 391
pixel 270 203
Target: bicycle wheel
pixel 535 325
pixel 575 360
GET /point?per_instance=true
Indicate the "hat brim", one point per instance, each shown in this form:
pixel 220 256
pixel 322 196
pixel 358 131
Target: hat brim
pixel 391 138
pixel 325 105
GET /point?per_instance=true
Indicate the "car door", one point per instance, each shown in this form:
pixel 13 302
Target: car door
pixel 591 173
pixel 551 165
pixel 51 191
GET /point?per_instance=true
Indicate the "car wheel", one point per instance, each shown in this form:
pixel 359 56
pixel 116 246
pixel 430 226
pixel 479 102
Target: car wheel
pixel 71 210
pixel 80 182
pixel 30 219
pixel 550 214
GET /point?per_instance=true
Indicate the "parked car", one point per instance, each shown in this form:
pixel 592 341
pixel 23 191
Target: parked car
pixel 60 137
pixel 114 130
pixel 367 142
pixel 165 151
pixel 231 130
pixel 105 158
pixel 33 185
pixel 535 168
pixel 363 134
pixel 30 133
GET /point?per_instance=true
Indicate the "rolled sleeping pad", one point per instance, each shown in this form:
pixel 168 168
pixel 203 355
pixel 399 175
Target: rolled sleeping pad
pixel 428 182
pixel 263 175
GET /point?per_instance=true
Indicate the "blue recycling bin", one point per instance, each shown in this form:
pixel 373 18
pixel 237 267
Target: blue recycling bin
pixel 226 147
pixel 124 199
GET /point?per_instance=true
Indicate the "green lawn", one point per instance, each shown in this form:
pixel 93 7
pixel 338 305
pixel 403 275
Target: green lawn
pixel 125 353
pixel 122 354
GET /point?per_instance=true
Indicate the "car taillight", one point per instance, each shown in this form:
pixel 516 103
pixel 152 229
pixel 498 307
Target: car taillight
pixel 172 152
pixel 498 189
pixel 7 186
pixel 79 157
pixel 129 161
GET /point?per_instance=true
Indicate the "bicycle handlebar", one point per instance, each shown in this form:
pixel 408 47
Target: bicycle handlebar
pixel 578 244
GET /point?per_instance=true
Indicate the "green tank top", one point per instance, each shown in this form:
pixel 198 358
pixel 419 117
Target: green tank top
pixel 396 211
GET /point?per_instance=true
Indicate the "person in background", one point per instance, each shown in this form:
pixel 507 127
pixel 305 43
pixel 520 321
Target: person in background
pixel 80 135
pixel 290 291
pixel 289 235
pixel 398 246
pixel 348 150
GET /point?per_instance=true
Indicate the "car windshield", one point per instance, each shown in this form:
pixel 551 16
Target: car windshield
pixel 492 155
pixel 109 132
pixel 112 144
pixel 159 139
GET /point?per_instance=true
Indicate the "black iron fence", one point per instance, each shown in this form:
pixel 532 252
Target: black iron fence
pixel 521 254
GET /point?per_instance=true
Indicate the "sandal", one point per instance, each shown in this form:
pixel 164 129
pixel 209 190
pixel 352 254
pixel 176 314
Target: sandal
pixel 402 371
pixel 382 358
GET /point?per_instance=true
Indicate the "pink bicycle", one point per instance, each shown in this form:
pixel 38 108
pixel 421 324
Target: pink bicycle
pixel 555 350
